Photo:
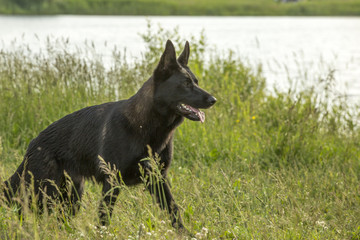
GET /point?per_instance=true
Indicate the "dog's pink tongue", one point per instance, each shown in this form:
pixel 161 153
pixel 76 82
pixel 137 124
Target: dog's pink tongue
pixel 201 115
pixel 198 113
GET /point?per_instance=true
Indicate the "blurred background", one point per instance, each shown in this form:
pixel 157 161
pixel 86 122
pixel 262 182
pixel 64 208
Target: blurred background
pixel 289 39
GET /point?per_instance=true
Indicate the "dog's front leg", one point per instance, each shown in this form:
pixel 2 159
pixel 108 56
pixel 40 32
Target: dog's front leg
pixel 110 194
pixel 158 187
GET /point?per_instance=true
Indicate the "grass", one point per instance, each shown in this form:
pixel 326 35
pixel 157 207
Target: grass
pixel 281 165
pixel 185 7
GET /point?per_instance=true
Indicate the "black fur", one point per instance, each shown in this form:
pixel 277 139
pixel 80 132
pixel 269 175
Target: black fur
pixel 119 133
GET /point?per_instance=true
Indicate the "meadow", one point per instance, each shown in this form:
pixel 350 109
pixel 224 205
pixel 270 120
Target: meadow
pixel 184 7
pixel 264 165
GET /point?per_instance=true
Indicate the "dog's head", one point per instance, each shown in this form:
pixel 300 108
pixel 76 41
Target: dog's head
pixel 177 88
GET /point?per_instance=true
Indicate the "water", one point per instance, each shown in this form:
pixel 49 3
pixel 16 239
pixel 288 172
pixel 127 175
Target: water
pixel 297 47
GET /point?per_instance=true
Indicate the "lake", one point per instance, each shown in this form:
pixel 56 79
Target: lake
pixel 299 48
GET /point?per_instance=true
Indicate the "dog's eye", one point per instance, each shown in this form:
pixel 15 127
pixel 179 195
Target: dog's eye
pixel 188 83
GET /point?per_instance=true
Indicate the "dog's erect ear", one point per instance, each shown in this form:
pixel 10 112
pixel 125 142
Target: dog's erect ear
pixel 168 59
pixel 184 56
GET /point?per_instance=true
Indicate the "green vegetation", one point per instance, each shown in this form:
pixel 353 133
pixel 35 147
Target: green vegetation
pixel 184 7
pixel 263 166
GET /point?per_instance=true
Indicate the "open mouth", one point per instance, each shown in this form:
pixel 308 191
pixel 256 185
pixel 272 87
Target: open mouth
pixel 191 113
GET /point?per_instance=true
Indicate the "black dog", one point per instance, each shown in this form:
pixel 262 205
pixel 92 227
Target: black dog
pixel 117 134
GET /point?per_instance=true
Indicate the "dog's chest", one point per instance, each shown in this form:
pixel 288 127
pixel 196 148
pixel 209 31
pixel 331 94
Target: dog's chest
pixel 137 154
pixel 159 139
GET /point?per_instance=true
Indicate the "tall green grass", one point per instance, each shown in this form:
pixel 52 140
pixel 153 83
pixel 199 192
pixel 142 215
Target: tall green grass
pixel 281 165
pixel 184 7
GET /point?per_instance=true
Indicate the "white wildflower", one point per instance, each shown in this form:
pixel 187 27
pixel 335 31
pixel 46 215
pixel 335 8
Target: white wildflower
pixel 199 235
pixel 204 231
pixel 322 224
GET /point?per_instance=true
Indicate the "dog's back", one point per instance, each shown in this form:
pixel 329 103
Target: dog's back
pixel 70 144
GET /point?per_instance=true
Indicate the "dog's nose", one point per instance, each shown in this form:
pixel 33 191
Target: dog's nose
pixel 212 100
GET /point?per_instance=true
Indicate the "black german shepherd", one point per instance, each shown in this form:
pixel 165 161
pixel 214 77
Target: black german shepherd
pixel 117 134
